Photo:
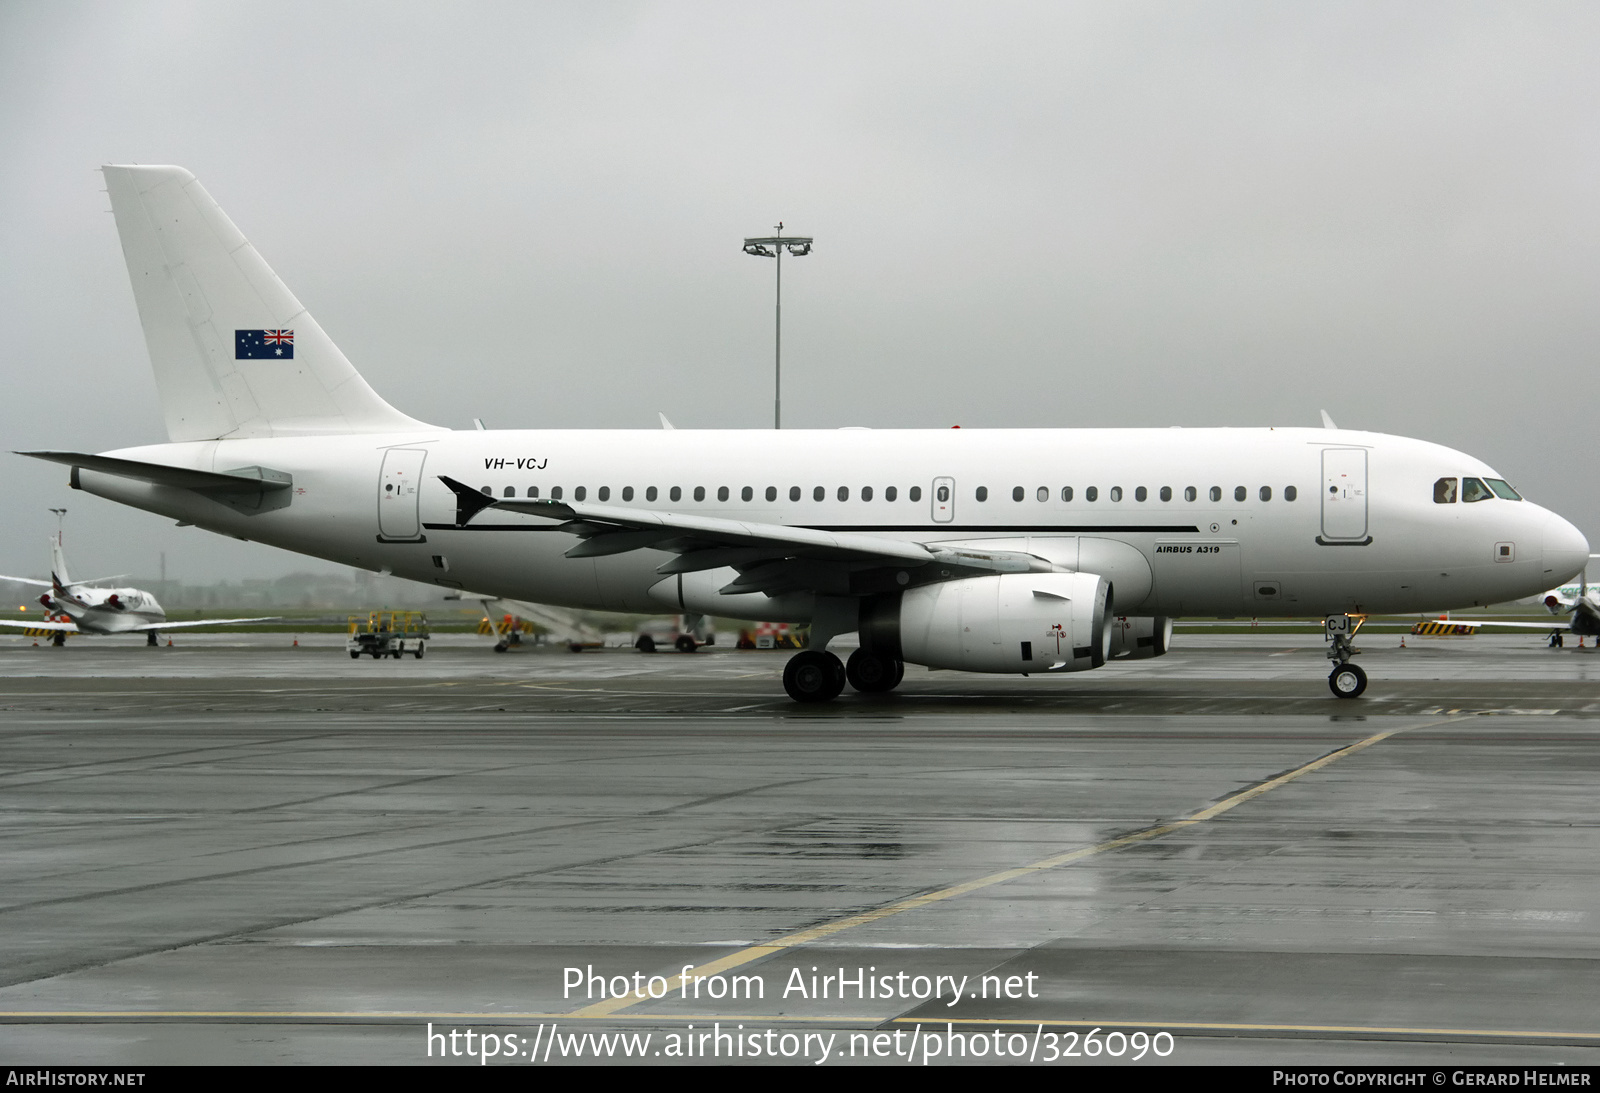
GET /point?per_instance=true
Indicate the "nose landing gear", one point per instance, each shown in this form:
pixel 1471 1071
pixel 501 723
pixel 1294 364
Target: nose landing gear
pixel 1347 680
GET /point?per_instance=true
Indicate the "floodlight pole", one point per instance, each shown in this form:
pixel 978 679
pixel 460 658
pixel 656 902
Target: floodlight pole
pixel 773 247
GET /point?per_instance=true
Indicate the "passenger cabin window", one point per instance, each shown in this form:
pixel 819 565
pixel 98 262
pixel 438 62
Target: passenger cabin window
pixel 533 491
pixel 485 490
pixel 1141 494
pixel 555 492
pixel 1016 493
pixel 915 493
pixel 794 493
pixel 772 493
pixel 510 491
pixel 1474 490
pixel 1290 493
pixel 890 493
pixel 1189 493
pixel 627 493
pixel 1166 493
pixel 844 493
pixel 1216 493
pixel 650 493
pixel 1066 493
pixel 819 493
pixel 579 493
pixel 1503 489
pixel 746 494
pixel 1116 493
pixel 676 493
pixel 1092 493
pixel 722 493
pixel 699 493
pixel 1444 491
pixel 943 493
pixel 604 493
pixel 1240 493
pixel 866 493
pixel 1043 493
pixel 981 493
pixel 1266 493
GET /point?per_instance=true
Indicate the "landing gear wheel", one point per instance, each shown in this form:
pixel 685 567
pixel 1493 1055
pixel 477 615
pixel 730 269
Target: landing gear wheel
pixel 874 673
pixel 813 676
pixel 685 644
pixel 1347 681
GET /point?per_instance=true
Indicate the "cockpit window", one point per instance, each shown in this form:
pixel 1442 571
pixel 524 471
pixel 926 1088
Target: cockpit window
pixel 1502 488
pixel 1474 490
pixel 1444 491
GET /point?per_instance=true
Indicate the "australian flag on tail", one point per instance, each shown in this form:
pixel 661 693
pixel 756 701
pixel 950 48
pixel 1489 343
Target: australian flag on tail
pixel 263 345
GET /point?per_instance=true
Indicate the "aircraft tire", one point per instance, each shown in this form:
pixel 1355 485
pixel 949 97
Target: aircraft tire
pixel 685 644
pixel 1347 681
pixel 871 673
pixel 813 675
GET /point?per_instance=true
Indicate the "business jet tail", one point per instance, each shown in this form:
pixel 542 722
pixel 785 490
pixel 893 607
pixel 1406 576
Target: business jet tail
pixel 235 354
pixel 58 566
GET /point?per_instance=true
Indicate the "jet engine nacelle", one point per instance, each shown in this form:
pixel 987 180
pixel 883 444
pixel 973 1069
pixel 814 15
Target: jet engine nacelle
pixel 1010 623
pixel 1135 638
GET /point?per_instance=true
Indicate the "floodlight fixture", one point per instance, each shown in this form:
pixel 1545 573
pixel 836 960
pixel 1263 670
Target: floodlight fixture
pixel 774 246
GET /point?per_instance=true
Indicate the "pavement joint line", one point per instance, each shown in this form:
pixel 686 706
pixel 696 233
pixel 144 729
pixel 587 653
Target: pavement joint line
pixel 754 953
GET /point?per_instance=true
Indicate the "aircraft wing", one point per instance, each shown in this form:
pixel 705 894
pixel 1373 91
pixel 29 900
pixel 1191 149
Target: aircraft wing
pixel 26 580
pixel 39 624
pixel 563 624
pixel 1474 624
pixel 770 558
pixel 198 622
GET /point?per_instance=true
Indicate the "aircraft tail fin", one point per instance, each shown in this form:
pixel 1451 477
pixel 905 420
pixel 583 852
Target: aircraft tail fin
pixel 234 353
pixel 59 579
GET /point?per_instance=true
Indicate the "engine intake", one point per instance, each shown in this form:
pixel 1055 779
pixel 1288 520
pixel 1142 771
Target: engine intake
pixel 1012 623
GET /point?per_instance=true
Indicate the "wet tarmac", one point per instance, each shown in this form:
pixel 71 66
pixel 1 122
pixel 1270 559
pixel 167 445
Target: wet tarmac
pixel 237 850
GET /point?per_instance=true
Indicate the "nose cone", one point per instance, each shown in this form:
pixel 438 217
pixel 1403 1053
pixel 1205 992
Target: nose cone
pixel 1566 551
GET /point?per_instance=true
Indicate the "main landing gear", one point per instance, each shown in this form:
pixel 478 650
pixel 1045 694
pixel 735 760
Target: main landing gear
pixel 816 675
pixel 1347 680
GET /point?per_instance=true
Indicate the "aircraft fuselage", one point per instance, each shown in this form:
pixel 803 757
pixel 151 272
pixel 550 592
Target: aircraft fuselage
pixel 1214 522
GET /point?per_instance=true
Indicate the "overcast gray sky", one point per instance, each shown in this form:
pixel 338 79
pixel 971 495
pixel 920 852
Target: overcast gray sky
pixel 1055 214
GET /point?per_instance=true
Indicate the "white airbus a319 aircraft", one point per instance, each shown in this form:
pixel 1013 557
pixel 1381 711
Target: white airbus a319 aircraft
pixel 1009 551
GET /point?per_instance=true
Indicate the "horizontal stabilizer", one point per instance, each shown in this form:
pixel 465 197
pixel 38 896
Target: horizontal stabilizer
pixel 244 480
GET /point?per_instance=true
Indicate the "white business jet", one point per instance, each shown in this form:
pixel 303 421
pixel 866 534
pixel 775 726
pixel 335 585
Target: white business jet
pixel 80 607
pixel 1006 551
pixel 1579 601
